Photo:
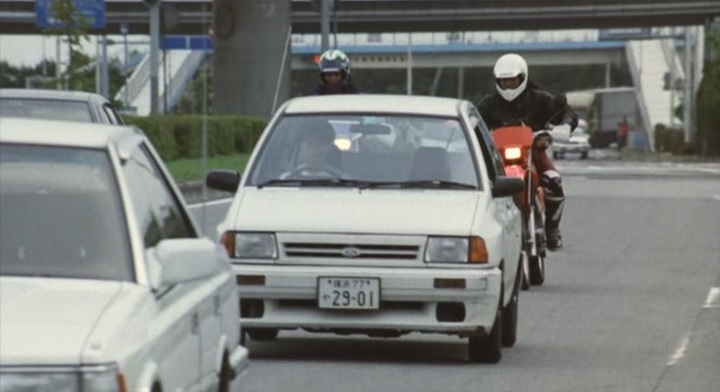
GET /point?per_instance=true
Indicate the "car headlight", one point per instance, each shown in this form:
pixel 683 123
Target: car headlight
pixel 250 245
pixel 512 153
pixel 63 379
pixel 456 250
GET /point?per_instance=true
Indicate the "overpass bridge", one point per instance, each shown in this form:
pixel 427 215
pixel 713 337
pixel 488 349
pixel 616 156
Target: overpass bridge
pixel 194 16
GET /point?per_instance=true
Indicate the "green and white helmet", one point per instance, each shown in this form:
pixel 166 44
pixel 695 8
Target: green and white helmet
pixel 334 60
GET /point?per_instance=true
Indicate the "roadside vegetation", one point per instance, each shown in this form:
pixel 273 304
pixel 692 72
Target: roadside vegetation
pixel 187 170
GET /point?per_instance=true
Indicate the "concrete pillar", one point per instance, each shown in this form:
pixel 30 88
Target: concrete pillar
pixel 252 56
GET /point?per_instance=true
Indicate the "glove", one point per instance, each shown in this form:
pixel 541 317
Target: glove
pixel 561 133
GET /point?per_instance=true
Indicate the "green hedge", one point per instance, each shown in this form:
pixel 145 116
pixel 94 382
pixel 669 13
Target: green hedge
pixel 669 139
pixel 180 136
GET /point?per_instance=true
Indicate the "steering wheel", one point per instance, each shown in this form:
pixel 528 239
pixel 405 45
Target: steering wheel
pixel 321 169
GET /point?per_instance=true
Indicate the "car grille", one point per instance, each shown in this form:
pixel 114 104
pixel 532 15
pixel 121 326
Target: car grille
pixel 350 251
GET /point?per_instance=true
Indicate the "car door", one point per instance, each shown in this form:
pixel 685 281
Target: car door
pixel 507 212
pixel 174 333
pixel 206 294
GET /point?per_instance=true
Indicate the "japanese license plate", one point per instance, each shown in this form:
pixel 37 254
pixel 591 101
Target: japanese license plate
pixel 348 293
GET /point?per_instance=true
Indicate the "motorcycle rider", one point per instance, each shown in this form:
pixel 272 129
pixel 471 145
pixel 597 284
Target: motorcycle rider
pixel 516 98
pixel 335 75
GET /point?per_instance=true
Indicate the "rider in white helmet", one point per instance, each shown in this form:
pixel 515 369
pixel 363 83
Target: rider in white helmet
pixel 517 99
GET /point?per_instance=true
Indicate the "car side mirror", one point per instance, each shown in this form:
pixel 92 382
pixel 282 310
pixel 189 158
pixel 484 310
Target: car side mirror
pixel 504 186
pixel 223 180
pixel 180 260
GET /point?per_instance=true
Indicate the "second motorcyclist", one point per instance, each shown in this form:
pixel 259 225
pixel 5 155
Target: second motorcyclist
pixel 516 98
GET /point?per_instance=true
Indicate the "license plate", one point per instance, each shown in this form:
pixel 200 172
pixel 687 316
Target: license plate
pixel 348 293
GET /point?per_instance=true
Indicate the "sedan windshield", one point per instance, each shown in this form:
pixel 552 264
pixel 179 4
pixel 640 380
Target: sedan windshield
pixel 60 214
pixel 381 152
pixel 46 109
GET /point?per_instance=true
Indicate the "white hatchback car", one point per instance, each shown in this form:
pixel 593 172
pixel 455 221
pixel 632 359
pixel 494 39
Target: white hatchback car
pixel 105 282
pixel 378 215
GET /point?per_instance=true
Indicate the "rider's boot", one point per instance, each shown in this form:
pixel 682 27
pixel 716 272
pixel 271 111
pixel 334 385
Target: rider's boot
pixel 554 201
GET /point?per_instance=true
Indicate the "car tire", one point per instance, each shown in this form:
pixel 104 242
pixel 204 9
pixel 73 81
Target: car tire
pixel 510 313
pixel 555 155
pixel 584 155
pixel 487 348
pixel 262 334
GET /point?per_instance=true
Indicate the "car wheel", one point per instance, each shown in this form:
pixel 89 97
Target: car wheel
pixel 487 348
pixel 510 313
pixel 584 155
pixel 262 334
pixel 537 270
pixel 555 155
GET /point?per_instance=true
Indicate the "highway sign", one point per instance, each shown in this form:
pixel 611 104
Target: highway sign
pixel 92 10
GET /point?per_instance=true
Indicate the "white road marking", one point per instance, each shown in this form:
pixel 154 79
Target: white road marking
pixel 211 203
pixel 713 298
pixel 680 351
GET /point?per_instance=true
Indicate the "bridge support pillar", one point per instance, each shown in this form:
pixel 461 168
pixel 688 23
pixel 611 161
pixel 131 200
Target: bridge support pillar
pixel 251 73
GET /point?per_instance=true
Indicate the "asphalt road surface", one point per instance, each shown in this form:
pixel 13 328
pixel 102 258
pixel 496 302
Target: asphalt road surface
pixel 631 304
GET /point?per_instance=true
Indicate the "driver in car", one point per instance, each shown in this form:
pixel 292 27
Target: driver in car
pixel 316 154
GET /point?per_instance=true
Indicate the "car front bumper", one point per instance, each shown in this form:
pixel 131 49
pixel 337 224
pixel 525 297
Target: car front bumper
pixel 409 300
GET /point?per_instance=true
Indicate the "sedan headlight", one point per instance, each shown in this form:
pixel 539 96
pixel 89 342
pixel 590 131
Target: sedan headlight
pixel 62 379
pixel 456 250
pixel 250 245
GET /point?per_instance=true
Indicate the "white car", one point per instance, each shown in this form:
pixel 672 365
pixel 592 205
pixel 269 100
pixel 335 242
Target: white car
pixel 106 283
pixel 379 215
pixel 579 143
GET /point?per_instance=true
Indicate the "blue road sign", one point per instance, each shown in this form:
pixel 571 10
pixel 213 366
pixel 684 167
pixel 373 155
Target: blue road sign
pixel 92 10
pixel 186 42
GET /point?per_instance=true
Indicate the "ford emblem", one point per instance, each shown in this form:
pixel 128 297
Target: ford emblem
pixel 351 251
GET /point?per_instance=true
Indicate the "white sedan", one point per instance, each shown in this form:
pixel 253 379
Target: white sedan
pixel 379 215
pixel 106 283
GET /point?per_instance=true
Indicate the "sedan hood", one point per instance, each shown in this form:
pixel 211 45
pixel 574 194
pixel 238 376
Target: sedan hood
pixel 423 212
pixel 48 321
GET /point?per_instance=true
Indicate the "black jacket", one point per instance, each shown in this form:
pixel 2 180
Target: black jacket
pixel 534 107
pixel 346 87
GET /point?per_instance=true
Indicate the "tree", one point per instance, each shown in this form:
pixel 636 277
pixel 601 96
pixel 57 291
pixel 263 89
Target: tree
pixel 708 99
pixel 73 27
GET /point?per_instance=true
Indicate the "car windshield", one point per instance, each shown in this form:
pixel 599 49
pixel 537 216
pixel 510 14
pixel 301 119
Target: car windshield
pixel 60 214
pixel 392 151
pixel 46 109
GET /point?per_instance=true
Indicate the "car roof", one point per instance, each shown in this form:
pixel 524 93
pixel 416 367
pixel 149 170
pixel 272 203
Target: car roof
pixel 61 133
pixel 374 103
pixel 50 94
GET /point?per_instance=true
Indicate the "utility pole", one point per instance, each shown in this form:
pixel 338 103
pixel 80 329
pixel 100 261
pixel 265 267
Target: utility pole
pixel 325 9
pixel 688 86
pixel 154 52
pixel 124 30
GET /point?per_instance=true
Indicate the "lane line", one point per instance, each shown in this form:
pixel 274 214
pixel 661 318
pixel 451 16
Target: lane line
pixel 680 351
pixel 211 203
pixel 713 298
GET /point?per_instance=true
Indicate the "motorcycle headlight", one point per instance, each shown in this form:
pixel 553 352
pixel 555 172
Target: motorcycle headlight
pixel 512 153
pixel 250 245
pixel 63 379
pixel 456 250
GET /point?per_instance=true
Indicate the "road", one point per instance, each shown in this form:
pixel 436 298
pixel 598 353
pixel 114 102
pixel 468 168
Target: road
pixel 631 304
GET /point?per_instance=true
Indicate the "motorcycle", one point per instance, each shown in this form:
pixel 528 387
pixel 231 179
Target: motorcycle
pixel 515 143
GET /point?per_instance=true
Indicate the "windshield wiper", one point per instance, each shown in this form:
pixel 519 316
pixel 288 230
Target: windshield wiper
pixel 329 182
pixel 435 184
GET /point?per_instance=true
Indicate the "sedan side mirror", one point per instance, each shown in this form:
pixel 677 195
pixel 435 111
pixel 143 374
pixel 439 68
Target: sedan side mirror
pixel 182 260
pixel 507 186
pixel 224 180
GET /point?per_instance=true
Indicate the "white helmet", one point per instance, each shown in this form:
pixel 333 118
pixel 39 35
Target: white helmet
pixel 509 66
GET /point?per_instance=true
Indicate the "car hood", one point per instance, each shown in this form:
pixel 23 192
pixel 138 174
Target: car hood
pixel 47 321
pixel 348 210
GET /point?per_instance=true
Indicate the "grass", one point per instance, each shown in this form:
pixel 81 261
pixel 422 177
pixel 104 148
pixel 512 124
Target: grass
pixel 184 170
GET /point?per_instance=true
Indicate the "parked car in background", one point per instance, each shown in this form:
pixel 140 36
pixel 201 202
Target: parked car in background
pixel 378 215
pixel 106 283
pixel 78 106
pixel 579 143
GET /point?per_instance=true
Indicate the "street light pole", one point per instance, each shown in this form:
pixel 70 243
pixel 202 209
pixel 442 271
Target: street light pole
pixel 154 52
pixel 124 30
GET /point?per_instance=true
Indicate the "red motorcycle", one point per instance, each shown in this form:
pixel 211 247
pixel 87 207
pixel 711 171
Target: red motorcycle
pixel 515 143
